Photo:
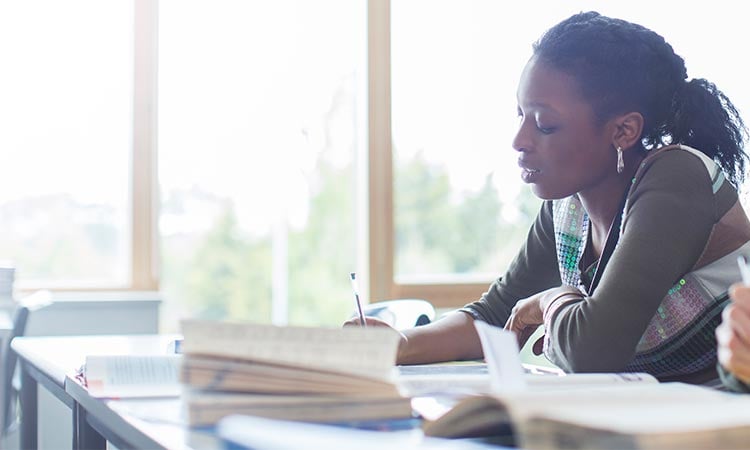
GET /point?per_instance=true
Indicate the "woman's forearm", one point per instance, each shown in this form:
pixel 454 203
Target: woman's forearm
pixel 451 338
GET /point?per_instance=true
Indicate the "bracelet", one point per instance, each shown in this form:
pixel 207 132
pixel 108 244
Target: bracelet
pixel 556 303
pixel 550 311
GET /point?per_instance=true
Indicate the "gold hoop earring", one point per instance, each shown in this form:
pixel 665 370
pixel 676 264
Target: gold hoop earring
pixel 620 162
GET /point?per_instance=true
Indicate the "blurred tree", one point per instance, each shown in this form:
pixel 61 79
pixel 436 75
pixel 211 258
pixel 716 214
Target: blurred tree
pixel 228 275
pixel 322 254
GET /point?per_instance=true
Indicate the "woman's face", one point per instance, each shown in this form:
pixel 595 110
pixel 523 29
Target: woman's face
pixel 562 149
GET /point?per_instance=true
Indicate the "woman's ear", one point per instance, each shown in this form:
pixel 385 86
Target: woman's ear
pixel 628 130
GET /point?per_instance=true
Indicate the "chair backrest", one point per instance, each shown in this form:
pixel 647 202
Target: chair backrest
pixel 25 306
pixel 402 313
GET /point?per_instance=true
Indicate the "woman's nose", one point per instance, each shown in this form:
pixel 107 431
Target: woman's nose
pixel 520 140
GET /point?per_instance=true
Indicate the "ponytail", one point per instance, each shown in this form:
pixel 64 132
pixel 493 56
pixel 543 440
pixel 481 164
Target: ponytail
pixel 704 118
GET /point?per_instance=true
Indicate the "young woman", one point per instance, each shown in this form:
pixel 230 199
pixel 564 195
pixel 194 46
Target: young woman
pixel 629 260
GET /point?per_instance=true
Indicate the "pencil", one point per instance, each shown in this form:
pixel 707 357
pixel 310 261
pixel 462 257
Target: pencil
pixel 357 301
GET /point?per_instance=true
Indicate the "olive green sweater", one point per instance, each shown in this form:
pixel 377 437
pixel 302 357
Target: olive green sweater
pixel 672 211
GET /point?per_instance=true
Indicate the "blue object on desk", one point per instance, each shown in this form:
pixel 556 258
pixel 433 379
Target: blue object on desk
pixel 175 346
pixel 382 425
pixel 243 432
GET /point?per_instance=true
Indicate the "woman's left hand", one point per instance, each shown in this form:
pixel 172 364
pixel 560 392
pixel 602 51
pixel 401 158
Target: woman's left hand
pixel 527 315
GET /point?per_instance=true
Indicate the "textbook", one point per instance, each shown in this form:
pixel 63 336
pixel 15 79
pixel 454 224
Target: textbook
pixel 649 420
pixel 295 373
pixel 208 408
pixel 583 411
pixel 223 374
pixel 622 416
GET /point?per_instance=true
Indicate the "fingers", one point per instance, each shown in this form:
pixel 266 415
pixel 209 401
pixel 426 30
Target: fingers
pixel 733 347
pixel 738 320
pixel 515 322
pixel 538 347
pixel 370 321
pixel 740 294
pixel 524 335
pixel 352 322
pixel 516 325
pixel 734 357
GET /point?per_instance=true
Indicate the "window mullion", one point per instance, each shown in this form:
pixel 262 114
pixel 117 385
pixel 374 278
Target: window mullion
pixel 379 149
pixel 144 169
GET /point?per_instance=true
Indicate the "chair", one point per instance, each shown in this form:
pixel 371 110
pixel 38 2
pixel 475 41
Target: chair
pixel 402 313
pixel 9 396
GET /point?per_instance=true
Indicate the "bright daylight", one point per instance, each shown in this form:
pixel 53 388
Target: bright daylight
pixel 286 207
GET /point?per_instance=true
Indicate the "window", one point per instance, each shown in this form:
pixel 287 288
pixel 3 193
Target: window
pixel 460 210
pixel 66 90
pixel 260 128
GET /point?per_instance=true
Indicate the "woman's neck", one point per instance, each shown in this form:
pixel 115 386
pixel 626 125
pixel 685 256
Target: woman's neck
pixel 603 203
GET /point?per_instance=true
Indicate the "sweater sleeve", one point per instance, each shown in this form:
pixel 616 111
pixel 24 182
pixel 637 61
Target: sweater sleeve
pixel 668 219
pixel 534 269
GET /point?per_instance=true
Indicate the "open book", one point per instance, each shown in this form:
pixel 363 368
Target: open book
pixel 668 416
pixel 125 376
pixel 449 380
pixel 298 373
pixel 623 411
pixel 628 416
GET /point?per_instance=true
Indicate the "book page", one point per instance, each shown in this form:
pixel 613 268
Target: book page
pixel 444 378
pixel 500 349
pixel 123 376
pixel 664 416
pixel 646 408
pixel 367 352
pixel 577 402
pixel 587 380
pixel 473 378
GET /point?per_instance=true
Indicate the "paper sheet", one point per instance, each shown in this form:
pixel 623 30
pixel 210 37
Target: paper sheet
pixel 501 352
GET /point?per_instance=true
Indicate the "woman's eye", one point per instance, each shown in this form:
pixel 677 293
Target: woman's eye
pixel 545 130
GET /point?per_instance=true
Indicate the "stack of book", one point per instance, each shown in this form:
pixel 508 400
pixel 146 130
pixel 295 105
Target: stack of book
pixel 7 275
pixel 294 373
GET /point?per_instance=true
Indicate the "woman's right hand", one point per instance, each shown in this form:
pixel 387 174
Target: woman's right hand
pixel 733 335
pixel 373 322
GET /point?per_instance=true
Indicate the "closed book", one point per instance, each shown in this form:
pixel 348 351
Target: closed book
pixel 207 408
pixel 307 374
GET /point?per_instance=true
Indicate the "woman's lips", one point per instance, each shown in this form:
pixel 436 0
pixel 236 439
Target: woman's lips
pixel 528 175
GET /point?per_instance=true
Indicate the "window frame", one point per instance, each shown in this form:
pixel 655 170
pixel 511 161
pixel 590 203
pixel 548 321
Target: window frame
pixel 144 188
pixel 383 284
pixel 144 198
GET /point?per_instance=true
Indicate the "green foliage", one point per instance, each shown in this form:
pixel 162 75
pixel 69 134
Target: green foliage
pixel 438 232
pixel 323 253
pixel 228 275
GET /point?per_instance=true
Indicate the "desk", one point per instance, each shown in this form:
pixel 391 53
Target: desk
pixel 51 362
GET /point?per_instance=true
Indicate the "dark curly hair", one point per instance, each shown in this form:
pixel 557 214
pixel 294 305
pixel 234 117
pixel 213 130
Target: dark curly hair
pixel 621 66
